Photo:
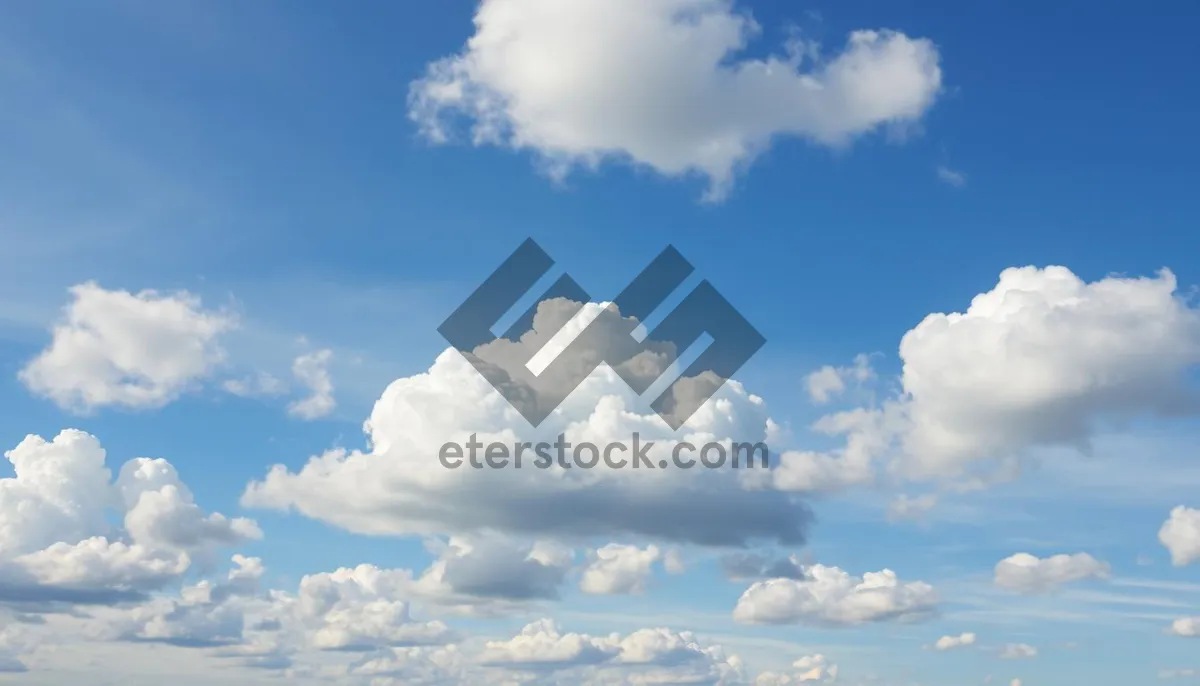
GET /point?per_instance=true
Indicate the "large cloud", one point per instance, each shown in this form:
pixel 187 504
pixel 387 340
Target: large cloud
pixel 134 350
pixel 660 83
pixel 1039 359
pixel 399 486
pixel 1043 359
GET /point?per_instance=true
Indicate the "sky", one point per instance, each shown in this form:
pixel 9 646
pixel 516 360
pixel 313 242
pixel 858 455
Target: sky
pixel 966 232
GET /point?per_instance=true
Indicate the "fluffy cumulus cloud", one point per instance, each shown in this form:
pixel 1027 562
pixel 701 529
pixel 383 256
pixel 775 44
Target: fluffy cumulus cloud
pixel 56 544
pixel 646 656
pixel 1025 573
pixel 619 569
pixel 829 596
pixel 133 350
pixel 1039 359
pixel 676 96
pixel 1181 535
pixel 71 535
pixel 401 486
pixel 952 642
pixel 1043 359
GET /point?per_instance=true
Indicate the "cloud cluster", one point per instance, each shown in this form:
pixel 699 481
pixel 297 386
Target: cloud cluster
pixel 60 547
pixel 676 96
pixel 55 541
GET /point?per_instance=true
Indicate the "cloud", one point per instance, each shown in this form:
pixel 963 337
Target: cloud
pixel 674 97
pixel 645 656
pixel 903 507
pixel 56 545
pixel 483 574
pixel 830 596
pixel 1018 651
pixel 400 487
pixel 951 177
pixel 256 386
pixel 806 471
pixel 1038 359
pixel 312 371
pixel 1027 573
pixel 829 382
pixel 806 670
pixel 1188 627
pixel 619 569
pixel 1181 535
pixel 952 642
pixel 133 350
pixel 1042 360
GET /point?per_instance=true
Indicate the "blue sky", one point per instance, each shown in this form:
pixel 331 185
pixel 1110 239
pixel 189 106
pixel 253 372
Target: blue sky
pixel 274 173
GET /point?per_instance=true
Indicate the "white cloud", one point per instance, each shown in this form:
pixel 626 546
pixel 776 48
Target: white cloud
pixel 1177 673
pixel 807 471
pixel 133 350
pixel 829 382
pixel 1186 626
pixel 399 486
pixel 952 642
pixel 312 371
pixel 1027 573
pixel 645 656
pixel 359 609
pixel 1040 358
pixel 1043 359
pixel 830 596
pixel 1018 651
pixel 1181 535
pixel 951 177
pixel 619 569
pixel 807 670
pixel 539 75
